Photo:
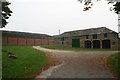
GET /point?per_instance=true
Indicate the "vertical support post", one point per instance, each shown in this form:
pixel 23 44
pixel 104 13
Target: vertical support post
pixel 91 43
pixel 100 43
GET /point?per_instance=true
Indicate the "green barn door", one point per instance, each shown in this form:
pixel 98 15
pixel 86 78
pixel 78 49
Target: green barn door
pixel 76 42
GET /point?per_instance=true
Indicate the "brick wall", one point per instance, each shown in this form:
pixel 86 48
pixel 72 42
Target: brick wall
pixel 51 42
pixel 4 40
pixel 100 37
pixel 12 41
pixel 38 42
pixel 25 41
pixel 45 42
pixel 30 41
pixel 116 41
pixel 22 41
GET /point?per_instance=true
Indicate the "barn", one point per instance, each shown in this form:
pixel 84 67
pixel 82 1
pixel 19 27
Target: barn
pixel 101 37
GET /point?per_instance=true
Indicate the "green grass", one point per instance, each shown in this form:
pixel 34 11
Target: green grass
pixel 29 62
pixel 75 49
pixel 113 63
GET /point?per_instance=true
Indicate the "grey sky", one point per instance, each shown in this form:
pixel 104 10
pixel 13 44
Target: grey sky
pixel 48 16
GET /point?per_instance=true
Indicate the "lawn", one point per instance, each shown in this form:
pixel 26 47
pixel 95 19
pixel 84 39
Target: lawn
pixel 113 63
pixel 28 63
pixel 75 49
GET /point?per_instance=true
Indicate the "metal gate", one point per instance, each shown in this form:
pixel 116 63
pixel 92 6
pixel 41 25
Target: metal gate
pixel 76 42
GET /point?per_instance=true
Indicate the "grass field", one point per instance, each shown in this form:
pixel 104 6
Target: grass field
pixel 114 63
pixel 28 63
pixel 75 49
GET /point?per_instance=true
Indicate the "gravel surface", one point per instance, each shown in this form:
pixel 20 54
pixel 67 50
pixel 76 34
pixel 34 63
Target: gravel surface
pixel 82 64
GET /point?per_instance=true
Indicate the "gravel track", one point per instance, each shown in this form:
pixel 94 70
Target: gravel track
pixel 82 64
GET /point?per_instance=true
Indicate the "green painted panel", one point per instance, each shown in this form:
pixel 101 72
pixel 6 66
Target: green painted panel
pixel 95 36
pixel 105 35
pixel 76 42
pixel 62 38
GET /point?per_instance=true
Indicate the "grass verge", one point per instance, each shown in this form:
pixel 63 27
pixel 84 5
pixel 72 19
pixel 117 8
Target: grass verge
pixel 29 62
pixel 75 49
pixel 114 65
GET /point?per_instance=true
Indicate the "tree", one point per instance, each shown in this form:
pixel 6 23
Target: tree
pixel 88 4
pixel 116 7
pixel 5 13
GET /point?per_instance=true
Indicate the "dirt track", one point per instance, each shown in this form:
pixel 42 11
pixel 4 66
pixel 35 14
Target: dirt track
pixel 82 64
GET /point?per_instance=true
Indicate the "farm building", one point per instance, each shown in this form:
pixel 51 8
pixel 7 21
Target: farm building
pixel 89 38
pixel 24 38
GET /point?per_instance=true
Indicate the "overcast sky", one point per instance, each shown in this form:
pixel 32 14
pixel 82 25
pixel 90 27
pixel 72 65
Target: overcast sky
pixel 48 16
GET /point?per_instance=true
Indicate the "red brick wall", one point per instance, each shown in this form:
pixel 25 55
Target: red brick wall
pixel 12 41
pixel 51 42
pixel 45 42
pixel 37 41
pixel 25 41
pixel 4 41
pixel 22 41
pixel 30 41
